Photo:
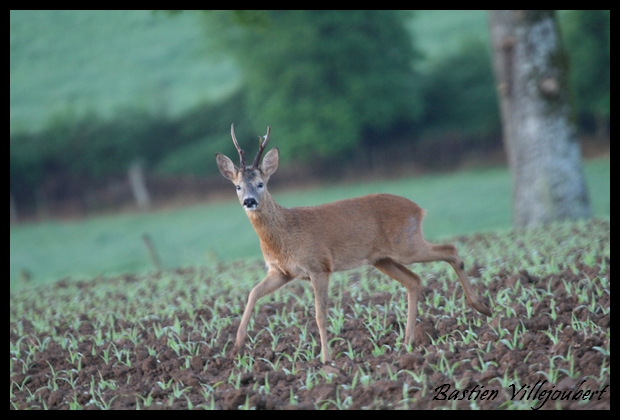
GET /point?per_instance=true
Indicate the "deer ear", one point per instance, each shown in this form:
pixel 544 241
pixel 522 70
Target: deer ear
pixel 226 167
pixel 270 162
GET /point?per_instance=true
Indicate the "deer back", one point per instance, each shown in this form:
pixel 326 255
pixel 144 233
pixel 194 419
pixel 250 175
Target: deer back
pixel 339 235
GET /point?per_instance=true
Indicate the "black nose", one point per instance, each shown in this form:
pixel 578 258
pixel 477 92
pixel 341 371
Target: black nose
pixel 250 202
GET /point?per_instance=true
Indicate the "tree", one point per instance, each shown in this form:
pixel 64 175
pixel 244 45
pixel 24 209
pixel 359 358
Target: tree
pixel 587 34
pixel 459 94
pixel 324 79
pixel 539 131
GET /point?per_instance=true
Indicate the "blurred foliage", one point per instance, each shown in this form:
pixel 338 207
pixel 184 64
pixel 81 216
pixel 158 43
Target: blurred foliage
pixel 329 84
pixel 324 79
pixel 195 157
pixel 460 96
pixel 90 149
pixel 587 38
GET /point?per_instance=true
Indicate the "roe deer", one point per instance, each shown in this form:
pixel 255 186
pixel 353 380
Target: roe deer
pixel 312 242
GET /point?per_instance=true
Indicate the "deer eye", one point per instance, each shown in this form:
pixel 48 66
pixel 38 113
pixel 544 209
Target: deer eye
pixel 261 185
pixel 238 187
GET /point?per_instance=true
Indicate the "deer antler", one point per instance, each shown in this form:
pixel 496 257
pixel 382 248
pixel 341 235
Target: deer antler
pixel 262 142
pixel 241 152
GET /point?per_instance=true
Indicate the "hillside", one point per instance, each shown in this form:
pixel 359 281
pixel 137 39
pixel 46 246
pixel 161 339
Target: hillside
pixel 64 64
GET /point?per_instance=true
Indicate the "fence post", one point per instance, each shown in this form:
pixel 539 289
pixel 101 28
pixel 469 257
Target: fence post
pixel 138 185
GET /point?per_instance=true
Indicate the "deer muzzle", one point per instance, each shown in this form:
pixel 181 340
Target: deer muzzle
pixel 250 204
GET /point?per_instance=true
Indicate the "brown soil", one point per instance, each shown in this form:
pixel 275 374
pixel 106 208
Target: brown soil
pixel 407 380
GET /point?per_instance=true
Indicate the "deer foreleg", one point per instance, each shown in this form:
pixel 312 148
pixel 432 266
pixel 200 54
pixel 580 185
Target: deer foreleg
pixel 273 281
pixel 320 282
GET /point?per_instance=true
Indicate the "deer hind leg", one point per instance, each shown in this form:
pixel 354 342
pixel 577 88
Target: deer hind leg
pixel 273 281
pixel 447 252
pixel 320 282
pixel 412 283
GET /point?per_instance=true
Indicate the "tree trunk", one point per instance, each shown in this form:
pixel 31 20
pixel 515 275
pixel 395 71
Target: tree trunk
pixel 540 134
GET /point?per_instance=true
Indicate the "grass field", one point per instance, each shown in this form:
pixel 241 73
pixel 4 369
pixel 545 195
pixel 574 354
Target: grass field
pixel 440 32
pixel 456 203
pixel 68 63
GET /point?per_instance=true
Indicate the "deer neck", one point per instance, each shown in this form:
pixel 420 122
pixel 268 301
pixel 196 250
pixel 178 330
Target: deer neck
pixel 270 221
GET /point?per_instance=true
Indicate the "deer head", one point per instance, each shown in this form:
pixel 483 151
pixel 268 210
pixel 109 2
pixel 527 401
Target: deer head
pixel 250 181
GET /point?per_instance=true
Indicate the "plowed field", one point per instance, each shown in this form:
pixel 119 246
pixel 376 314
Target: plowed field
pixel 163 340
